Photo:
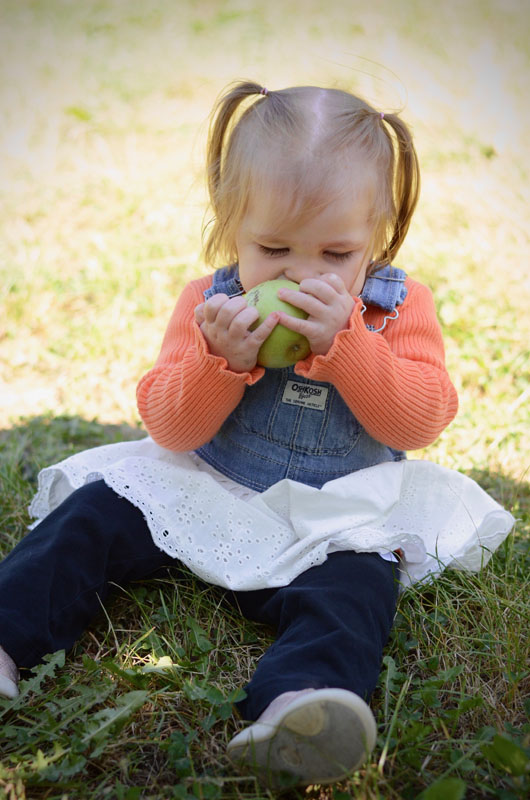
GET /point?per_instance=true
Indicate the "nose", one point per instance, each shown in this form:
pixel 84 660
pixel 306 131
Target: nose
pixel 303 270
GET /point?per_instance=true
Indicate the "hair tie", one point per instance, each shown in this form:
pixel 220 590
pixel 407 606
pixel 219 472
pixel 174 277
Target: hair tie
pixel 382 114
pixel 264 91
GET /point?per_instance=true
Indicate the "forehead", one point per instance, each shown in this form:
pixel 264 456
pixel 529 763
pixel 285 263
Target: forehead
pixel 341 204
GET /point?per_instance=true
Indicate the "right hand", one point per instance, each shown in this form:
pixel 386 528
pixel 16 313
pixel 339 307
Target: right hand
pixel 224 322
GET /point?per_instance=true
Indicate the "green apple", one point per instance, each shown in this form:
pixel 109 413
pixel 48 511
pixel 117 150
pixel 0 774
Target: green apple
pixel 283 347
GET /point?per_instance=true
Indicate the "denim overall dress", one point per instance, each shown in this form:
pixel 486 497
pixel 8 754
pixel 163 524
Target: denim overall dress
pixel 288 426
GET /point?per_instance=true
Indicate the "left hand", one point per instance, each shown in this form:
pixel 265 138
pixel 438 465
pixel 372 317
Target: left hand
pixel 328 304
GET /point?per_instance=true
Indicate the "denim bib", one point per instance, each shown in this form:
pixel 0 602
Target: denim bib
pixel 287 426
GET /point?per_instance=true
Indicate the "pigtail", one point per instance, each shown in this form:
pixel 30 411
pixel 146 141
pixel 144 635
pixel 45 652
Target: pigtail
pixel 406 185
pixel 222 117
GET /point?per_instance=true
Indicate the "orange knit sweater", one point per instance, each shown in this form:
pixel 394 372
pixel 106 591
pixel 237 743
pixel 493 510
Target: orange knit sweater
pixel 394 382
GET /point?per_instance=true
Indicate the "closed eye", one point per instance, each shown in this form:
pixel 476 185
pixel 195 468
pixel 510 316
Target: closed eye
pixel 340 256
pixel 273 252
pixel 278 252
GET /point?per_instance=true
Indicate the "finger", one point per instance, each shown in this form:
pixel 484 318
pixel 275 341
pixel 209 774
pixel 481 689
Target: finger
pixel 264 330
pixel 325 288
pixel 242 321
pixel 199 314
pixel 230 310
pixel 310 303
pixel 335 281
pixel 213 306
pixel 295 323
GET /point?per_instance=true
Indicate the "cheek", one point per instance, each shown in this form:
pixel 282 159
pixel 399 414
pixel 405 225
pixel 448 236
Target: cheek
pixel 250 272
pixel 358 279
pixel 255 268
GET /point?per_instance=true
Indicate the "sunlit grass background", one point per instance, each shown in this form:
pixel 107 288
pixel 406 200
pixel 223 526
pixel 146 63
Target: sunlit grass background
pixel 103 118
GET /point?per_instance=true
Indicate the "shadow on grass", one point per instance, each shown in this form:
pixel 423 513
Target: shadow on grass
pixel 39 441
pixel 35 443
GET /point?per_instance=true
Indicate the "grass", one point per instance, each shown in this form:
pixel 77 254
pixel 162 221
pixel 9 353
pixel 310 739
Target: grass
pixel 104 109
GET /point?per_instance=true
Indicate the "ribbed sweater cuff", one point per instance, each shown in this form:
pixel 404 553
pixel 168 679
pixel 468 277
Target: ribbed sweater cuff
pixel 218 365
pixel 324 367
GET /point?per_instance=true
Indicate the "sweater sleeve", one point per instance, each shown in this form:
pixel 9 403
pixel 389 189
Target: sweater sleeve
pixel 184 399
pixel 395 382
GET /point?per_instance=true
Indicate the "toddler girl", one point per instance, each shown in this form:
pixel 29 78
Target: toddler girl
pixel 288 487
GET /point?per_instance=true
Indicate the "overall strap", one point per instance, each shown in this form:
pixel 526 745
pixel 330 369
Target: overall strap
pixel 385 288
pixel 225 281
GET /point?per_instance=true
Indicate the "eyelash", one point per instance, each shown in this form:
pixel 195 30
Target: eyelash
pixel 341 256
pixel 273 252
pixel 278 252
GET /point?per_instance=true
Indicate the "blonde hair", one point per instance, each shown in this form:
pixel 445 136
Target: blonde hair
pixel 305 140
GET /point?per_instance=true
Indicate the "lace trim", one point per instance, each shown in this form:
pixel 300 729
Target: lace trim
pixel 231 536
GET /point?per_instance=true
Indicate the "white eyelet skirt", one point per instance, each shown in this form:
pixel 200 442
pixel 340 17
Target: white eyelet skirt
pixel 240 539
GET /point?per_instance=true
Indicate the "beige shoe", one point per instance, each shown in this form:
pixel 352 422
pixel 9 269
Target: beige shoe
pixel 8 688
pixel 8 676
pixel 317 737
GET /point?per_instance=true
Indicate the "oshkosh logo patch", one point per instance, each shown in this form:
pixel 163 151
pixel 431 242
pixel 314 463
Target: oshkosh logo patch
pixel 307 395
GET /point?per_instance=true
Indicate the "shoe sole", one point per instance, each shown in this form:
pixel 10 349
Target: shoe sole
pixel 320 737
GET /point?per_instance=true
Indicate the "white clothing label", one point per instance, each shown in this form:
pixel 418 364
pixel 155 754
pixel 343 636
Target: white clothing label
pixel 307 395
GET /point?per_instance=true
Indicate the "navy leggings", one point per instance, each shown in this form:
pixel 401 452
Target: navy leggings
pixel 331 622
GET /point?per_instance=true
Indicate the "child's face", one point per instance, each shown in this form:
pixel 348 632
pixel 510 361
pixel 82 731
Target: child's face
pixel 337 239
